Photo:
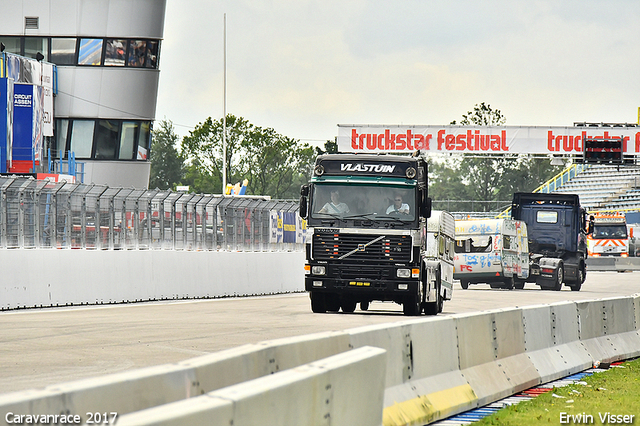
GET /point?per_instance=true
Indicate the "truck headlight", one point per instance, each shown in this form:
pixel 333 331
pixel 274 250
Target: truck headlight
pixel 403 286
pixel 403 273
pixel 318 270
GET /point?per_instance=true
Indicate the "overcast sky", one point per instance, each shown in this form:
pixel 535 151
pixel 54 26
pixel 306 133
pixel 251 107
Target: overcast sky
pixel 302 67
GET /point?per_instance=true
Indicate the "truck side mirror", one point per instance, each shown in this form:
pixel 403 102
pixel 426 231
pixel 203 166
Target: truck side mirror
pixel 304 193
pixel 590 227
pixel 426 208
pixel 302 212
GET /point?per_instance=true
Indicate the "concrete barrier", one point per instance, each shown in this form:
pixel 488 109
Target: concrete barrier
pixel 607 328
pixel 339 390
pixel 492 356
pixel 433 368
pixel 425 383
pixel 610 263
pixel 551 340
pixel 120 276
pixel 148 387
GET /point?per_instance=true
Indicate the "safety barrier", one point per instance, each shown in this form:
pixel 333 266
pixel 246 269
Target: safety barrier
pixel 432 368
pixel 41 278
pixel 44 214
pixel 610 263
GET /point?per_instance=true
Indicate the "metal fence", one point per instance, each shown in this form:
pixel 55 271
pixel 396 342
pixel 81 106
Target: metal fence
pixel 44 214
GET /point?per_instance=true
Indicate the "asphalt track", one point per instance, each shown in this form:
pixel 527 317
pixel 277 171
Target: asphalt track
pixel 40 347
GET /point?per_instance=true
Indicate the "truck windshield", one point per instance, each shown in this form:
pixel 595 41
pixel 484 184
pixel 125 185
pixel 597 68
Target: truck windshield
pixel 609 231
pixel 370 202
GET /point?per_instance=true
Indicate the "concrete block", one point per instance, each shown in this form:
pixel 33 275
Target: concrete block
pixel 247 362
pixel 476 339
pixel 122 393
pixel 338 390
pixel 553 360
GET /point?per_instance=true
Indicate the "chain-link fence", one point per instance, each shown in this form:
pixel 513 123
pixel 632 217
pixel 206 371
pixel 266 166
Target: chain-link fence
pixel 44 214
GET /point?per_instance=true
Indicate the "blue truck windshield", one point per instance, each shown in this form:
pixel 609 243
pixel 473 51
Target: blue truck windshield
pixel 368 202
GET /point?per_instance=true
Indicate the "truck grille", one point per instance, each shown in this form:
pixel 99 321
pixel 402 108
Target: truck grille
pixel 392 248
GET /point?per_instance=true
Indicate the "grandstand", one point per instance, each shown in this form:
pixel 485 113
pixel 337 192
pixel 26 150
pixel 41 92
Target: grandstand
pixel 606 187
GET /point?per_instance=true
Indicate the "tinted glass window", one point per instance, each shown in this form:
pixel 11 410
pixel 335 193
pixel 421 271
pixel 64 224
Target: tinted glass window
pixel 33 45
pixel 82 138
pixel 62 127
pixel 115 52
pixel 152 54
pixel 90 52
pixel 63 51
pixel 143 141
pixel 11 44
pixel 106 140
pixel 128 139
pixel 547 217
pixel 137 53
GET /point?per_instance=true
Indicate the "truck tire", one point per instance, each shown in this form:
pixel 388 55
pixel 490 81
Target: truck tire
pixel 582 275
pixel 317 303
pixel 559 278
pixel 509 283
pixel 364 305
pixel 434 308
pixel 332 302
pixel 464 284
pixel 518 283
pixel 348 305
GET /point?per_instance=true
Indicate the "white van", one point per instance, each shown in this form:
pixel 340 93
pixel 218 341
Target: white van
pixel 492 251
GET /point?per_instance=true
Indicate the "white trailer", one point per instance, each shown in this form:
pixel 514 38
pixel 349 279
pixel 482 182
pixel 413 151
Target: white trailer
pixel 438 259
pixel 492 251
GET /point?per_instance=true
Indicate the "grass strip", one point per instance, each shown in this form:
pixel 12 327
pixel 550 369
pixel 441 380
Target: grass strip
pixel 607 397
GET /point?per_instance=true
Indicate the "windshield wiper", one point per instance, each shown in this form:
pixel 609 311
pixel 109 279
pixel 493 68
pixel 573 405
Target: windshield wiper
pixel 364 216
pixel 395 218
pixel 333 215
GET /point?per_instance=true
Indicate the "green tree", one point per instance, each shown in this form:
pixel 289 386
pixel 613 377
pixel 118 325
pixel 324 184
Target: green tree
pixel 484 177
pixel 273 164
pixel 330 147
pixel 204 147
pixel 199 182
pixel 167 164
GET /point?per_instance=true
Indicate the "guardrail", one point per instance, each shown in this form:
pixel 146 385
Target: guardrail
pixel 44 214
pixel 422 370
pixel 611 263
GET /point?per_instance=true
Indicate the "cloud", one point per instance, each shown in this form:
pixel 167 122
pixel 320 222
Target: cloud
pixel 302 67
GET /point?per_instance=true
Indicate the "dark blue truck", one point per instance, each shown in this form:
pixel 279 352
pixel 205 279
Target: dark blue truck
pixel 557 229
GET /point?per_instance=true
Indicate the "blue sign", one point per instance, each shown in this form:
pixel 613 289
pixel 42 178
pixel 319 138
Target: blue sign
pixel 23 118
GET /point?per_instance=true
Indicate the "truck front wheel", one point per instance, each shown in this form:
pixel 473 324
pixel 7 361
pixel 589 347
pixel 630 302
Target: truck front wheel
pixel 412 306
pixel 318 305
pixel 348 305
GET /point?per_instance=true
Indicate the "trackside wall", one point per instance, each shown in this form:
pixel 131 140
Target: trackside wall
pixel 407 373
pixel 40 278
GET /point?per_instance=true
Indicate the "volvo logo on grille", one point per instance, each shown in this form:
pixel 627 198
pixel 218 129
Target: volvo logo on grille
pixel 326 230
pixel 361 247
